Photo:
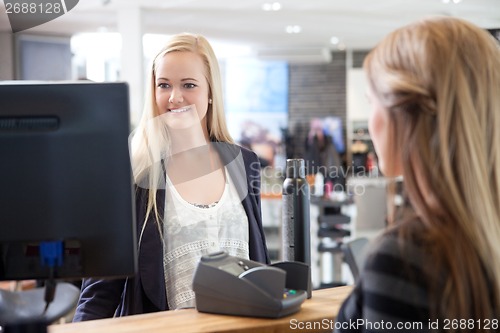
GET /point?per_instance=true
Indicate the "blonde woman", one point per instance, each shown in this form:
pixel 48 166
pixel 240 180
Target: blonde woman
pixel 197 192
pixel 434 89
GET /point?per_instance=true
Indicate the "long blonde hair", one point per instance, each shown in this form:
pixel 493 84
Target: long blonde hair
pixel 150 142
pixel 439 79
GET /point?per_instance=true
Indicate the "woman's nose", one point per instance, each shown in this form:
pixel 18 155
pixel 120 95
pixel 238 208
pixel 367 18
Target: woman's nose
pixel 175 97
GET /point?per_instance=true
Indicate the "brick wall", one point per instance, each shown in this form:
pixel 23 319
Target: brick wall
pixel 357 58
pixel 315 90
pixel 318 90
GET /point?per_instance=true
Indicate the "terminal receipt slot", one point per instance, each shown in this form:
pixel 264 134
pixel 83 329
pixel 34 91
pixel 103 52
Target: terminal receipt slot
pixel 230 285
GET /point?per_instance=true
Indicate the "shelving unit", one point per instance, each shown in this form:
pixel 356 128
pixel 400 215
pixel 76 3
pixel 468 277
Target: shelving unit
pixel 332 228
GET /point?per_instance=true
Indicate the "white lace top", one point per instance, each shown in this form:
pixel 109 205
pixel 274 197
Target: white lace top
pixel 191 232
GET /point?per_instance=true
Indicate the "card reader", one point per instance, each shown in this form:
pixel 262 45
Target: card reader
pixel 230 285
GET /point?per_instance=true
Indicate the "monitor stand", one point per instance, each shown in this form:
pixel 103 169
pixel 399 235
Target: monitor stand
pixel 23 311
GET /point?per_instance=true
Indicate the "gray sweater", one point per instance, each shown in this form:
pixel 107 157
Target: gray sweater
pixel 392 292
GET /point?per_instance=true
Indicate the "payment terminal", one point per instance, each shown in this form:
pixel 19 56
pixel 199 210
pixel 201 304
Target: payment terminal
pixel 230 285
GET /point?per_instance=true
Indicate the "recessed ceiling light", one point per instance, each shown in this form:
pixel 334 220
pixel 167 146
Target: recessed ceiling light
pixel 446 1
pixel 275 6
pixel 293 29
pixel 334 40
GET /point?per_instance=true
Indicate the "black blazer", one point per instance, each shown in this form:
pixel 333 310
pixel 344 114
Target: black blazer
pixel 146 292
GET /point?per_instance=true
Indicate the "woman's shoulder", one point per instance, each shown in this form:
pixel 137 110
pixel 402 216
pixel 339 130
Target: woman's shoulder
pixel 233 150
pixel 394 280
pixel 391 246
pixel 394 264
pixel 248 154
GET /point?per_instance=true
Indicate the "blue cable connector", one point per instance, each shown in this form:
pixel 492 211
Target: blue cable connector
pixel 51 253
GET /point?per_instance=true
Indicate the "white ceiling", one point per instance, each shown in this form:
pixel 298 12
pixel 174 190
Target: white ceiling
pixel 359 24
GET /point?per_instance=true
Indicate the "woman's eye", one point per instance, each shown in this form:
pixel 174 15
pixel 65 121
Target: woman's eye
pixel 163 85
pixel 190 85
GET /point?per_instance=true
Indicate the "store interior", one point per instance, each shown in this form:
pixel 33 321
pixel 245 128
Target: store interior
pixel 304 100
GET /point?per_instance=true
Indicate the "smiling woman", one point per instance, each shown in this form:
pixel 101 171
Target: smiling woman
pixel 196 191
pixel 180 82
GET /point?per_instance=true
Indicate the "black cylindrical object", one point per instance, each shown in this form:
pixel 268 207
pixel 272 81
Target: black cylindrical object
pixel 296 236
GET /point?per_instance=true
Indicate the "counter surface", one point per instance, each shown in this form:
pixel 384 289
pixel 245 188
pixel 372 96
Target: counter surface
pixel 321 309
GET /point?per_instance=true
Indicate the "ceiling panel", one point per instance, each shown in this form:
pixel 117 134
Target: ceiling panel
pixel 359 24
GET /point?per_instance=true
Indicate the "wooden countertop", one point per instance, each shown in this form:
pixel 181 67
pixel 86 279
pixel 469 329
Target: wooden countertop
pixel 321 309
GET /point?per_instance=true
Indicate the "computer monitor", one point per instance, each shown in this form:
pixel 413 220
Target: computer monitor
pixel 65 181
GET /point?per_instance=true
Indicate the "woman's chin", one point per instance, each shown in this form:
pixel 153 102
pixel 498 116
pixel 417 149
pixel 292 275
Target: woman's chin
pixel 389 171
pixel 179 125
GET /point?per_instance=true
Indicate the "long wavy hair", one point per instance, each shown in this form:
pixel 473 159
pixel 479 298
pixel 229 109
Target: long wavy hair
pixel 150 143
pixel 439 80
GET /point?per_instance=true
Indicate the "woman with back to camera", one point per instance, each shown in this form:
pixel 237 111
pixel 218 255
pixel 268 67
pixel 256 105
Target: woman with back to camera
pixel 434 92
pixel 196 191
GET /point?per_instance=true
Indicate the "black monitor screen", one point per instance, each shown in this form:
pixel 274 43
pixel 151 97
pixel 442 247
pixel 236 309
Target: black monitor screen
pixel 66 193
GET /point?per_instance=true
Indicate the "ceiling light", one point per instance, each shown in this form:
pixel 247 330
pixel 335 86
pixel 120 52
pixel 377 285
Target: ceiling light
pixel 293 29
pixel 457 1
pixel 334 40
pixel 446 1
pixel 275 6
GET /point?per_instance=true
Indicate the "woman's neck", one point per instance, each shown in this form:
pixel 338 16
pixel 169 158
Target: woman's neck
pixel 186 139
